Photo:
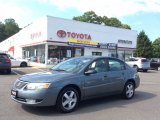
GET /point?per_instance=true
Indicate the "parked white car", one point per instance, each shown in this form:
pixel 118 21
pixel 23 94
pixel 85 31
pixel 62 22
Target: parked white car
pixel 139 63
pixel 16 62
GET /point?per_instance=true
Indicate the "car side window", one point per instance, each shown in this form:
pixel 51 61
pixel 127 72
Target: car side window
pixel 132 59
pixel 99 65
pixel 129 59
pixel 116 65
pixel 3 56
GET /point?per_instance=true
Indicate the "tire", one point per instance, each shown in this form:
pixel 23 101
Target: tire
pixel 128 91
pixel 67 100
pixel 8 71
pixel 23 64
pixel 145 70
pixel 158 69
pixel 136 67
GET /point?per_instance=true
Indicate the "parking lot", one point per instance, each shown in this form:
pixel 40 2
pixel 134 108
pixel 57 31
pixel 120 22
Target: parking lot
pixel 144 106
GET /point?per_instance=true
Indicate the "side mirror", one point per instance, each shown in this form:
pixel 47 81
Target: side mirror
pixel 90 72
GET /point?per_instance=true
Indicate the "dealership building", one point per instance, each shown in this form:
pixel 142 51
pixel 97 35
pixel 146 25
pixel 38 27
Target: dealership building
pixel 50 40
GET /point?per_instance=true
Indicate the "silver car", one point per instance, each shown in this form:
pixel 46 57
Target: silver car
pixel 74 80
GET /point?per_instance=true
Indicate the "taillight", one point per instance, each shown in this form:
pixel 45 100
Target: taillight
pixel 142 61
pixel 8 60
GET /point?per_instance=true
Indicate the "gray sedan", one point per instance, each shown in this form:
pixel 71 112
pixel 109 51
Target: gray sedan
pixel 74 80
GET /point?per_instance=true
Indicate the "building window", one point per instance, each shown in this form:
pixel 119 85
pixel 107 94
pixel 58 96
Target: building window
pixel 35 53
pixel 96 53
pixel 57 54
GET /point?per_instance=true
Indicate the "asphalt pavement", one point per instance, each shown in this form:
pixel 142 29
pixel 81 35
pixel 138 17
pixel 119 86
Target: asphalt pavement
pixel 144 106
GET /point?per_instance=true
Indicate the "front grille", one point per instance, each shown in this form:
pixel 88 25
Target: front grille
pixel 20 99
pixel 20 84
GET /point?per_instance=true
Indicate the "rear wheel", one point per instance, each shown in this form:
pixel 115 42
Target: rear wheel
pixel 23 64
pixel 145 70
pixel 67 100
pixel 8 71
pixel 158 69
pixel 128 91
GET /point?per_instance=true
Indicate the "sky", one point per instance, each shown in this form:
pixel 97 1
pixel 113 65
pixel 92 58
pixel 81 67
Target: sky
pixel 138 14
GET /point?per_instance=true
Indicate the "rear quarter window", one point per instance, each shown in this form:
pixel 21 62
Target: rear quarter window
pixel 3 56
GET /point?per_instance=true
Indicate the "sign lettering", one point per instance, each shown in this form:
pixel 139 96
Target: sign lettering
pixel 62 34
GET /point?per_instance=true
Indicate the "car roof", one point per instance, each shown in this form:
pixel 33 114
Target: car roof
pixel 139 57
pixel 95 57
pixel 3 53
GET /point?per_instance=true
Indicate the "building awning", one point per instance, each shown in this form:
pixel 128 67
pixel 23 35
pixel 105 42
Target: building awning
pixel 11 49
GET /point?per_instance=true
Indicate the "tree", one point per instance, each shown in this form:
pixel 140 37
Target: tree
pixel 8 28
pixel 144 46
pixel 156 48
pixel 91 17
pixel 114 22
pixel 2 32
pixel 126 26
pixel 11 27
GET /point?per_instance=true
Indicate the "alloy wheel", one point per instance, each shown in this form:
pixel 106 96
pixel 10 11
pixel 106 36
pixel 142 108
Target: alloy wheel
pixel 129 91
pixel 69 100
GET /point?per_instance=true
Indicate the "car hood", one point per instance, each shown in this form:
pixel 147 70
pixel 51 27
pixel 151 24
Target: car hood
pixel 45 76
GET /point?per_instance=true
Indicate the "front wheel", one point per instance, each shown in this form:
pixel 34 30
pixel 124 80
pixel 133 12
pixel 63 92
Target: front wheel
pixel 135 67
pixel 67 100
pixel 128 91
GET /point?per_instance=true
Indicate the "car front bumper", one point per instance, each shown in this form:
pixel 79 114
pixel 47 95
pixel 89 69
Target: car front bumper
pixel 45 97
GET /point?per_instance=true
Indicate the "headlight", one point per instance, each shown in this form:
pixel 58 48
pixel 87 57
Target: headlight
pixel 33 86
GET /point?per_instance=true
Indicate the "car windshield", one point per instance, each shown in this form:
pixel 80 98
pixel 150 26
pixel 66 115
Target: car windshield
pixel 72 65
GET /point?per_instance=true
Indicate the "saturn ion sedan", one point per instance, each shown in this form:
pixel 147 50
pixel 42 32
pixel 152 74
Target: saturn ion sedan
pixel 74 80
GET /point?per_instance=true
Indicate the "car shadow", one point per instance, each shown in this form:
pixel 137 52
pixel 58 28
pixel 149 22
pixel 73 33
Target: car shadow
pixel 149 71
pixel 4 73
pixel 93 105
pixel 19 72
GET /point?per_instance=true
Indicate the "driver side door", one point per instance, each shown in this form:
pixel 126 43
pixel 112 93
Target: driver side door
pixel 95 83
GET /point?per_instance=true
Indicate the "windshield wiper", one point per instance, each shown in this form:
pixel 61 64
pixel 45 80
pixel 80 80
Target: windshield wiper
pixel 58 70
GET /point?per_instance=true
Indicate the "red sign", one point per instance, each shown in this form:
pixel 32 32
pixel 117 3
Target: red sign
pixel 11 49
pixel 62 34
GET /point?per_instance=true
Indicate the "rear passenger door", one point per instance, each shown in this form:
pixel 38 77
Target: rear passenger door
pixel 130 62
pixel 15 62
pixel 116 74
